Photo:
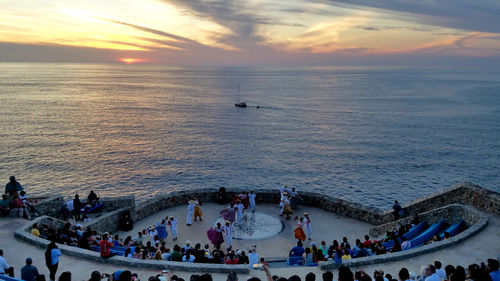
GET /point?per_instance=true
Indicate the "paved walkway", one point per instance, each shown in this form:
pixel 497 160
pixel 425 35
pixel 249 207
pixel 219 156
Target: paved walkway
pixel 326 226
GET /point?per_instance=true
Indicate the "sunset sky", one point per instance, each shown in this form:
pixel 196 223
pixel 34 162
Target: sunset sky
pixel 261 32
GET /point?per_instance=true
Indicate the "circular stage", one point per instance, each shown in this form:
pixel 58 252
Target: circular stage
pixel 255 226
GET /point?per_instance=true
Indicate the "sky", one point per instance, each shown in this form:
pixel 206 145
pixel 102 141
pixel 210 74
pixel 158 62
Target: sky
pixel 252 32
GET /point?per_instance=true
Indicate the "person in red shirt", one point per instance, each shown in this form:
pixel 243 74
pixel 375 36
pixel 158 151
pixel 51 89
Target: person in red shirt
pixel 105 246
pixel 367 242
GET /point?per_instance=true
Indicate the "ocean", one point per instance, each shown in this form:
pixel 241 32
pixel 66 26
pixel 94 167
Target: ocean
pixel 363 134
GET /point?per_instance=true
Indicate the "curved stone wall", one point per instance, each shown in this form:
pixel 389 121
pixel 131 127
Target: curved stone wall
pixel 466 193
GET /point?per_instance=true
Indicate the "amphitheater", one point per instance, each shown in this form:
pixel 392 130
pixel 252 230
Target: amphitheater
pixel 332 218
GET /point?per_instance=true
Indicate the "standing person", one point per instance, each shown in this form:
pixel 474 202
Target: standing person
pixel 161 229
pixel 251 200
pixel 215 235
pixel 239 211
pixel 190 209
pixel 52 255
pixel 29 272
pixel 13 185
pixel 282 202
pixel 299 232
pixel 295 199
pixel 307 221
pixel 105 246
pixel 173 227
pixel 197 211
pixel 228 229
pixel 397 209
pixel 287 209
pixel 77 207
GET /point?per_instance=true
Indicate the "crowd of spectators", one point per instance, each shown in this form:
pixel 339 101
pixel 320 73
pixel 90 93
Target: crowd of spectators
pixel 140 247
pixel 428 272
pixel 338 252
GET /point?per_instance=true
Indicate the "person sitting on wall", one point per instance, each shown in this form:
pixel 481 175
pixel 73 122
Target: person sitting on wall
pixel 92 199
pixel 220 197
pixel 4 206
pixel 13 185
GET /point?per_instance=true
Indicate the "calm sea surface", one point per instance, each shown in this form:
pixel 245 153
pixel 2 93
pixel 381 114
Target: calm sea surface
pixel 366 135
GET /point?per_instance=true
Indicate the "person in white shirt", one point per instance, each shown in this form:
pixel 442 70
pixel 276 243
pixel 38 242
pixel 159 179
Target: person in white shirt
pixel 405 244
pixel 439 271
pixel 228 230
pixel 307 221
pixel 4 266
pixel 251 200
pixel 430 273
pixel 239 212
pixel 190 208
pixel 173 227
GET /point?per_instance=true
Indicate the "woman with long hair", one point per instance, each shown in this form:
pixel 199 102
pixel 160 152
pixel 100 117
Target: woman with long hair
pixel 52 255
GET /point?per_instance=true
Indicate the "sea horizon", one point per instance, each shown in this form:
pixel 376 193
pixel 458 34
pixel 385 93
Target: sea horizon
pixel 356 132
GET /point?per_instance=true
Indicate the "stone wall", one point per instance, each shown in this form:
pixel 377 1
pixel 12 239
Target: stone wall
pixel 50 206
pixel 451 213
pixel 465 193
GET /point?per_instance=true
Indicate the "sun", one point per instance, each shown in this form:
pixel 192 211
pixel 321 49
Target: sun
pixel 130 60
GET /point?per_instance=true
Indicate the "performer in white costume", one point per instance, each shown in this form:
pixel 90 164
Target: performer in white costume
pixel 173 227
pixel 228 229
pixel 239 212
pixel 190 209
pixel 307 221
pixel 251 200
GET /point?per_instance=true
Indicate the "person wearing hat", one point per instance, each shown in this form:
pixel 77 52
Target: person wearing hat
pixel 308 226
pixel 228 230
pixel 190 209
pixel 13 185
pixel 29 272
pixel 172 222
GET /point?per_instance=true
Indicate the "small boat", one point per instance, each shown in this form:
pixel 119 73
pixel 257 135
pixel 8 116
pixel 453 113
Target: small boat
pixel 238 103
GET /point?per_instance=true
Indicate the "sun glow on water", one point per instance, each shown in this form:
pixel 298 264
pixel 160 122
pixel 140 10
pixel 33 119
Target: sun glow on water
pixel 130 60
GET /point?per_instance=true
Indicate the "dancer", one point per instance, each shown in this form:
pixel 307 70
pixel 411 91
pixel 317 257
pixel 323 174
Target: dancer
pixel 282 202
pixel 287 209
pixel 309 230
pixel 215 235
pixel 251 200
pixel 173 227
pixel 190 208
pixel 161 229
pixel 228 233
pixel 228 213
pixel 239 211
pixel 197 211
pixel 299 232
